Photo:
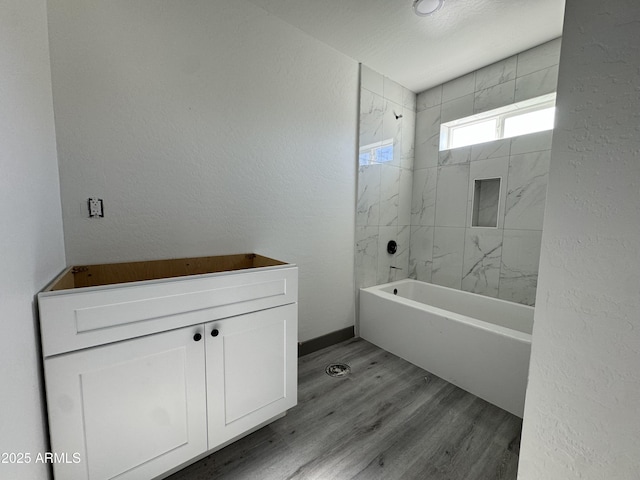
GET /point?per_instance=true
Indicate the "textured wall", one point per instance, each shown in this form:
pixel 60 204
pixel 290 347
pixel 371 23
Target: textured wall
pixel 581 414
pixel 208 127
pixel 31 239
pixel 387 113
pixel 499 262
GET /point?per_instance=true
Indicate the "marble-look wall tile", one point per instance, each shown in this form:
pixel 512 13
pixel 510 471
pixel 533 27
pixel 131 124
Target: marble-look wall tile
pixel 407 152
pixel 534 142
pixel 483 169
pixel 519 269
pixel 448 248
pixel 496 149
pixel 392 129
pixel 451 195
pixel 392 91
pixel 494 97
pixel 392 196
pixel 442 241
pixel 366 255
pixel 389 195
pixel 368 207
pixel 423 202
pixel 405 197
pixel 371 117
pixel 385 189
pixel 385 260
pixel 536 84
pixel 538 58
pixel 499 72
pixel 454 156
pixel 409 99
pixel 421 253
pixel 459 87
pixel 429 98
pixel 457 108
pixel 481 266
pixel 371 80
pixel 427 138
pixel 527 190
pixel 401 257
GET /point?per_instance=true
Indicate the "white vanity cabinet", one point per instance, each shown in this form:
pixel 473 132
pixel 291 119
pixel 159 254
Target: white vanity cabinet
pixel 145 376
pixel 132 409
pixel 251 369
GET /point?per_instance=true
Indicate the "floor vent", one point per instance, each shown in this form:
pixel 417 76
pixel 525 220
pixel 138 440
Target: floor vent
pixel 338 370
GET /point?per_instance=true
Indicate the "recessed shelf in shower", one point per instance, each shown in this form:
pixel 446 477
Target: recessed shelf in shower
pixel 486 199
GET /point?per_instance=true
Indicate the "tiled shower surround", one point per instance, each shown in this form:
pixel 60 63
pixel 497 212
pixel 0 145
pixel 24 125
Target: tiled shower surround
pixel 387 116
pixel 443 247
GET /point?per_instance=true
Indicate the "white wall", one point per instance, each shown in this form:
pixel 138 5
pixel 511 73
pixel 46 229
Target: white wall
pixel 582 417
pixel 31 238
pixel 208 127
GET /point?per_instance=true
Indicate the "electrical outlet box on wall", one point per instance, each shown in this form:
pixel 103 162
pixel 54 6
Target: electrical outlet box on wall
pixel 96 208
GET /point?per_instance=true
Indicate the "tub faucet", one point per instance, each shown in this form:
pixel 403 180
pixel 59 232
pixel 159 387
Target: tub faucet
pixel 393 273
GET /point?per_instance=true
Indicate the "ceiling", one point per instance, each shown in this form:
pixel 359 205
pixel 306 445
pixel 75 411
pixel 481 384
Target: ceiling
pixel 421 52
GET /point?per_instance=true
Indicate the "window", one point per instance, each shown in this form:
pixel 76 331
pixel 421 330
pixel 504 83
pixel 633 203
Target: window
pixel 529 116
pixel 379 152
pixel 473 133
pixel 531 122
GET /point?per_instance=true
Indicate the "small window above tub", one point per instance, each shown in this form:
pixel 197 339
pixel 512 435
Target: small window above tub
pixel 379 152
pixel 486 200
pixel 520 118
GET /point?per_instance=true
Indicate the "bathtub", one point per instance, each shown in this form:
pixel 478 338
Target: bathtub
pixel 478 343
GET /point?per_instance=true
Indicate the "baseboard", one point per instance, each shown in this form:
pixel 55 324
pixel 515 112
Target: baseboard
pixel 318 343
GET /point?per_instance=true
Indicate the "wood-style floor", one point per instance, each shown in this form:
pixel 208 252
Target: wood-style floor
pixel 387 420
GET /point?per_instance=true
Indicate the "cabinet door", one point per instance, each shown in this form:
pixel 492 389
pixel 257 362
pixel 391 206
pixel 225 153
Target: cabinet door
pixel 132 409
pixel 251 370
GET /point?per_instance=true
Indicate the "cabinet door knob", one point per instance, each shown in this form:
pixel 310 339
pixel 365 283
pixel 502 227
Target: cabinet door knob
pixel 214 332
pixel 197 337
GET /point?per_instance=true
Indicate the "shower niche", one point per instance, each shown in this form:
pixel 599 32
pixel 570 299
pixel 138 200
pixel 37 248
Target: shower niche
pixel 486 202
